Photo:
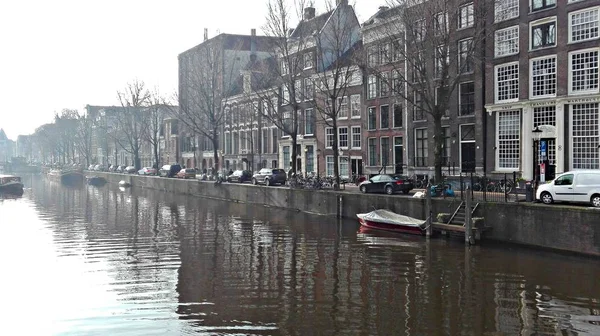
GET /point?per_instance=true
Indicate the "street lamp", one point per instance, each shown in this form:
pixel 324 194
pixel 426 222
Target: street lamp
pixel 537 135
pixel 318 156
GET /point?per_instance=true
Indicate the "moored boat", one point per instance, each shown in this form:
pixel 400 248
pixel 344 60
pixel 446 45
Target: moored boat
pixel 11 184
pixel 382 219
pixel 95 180
pixel 66 176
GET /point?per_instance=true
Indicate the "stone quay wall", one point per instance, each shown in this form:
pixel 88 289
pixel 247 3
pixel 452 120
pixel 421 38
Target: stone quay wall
pixel 558 227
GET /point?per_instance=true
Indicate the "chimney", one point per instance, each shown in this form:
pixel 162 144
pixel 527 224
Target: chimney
pixel 383 8
pixel 342 2
pixel 205 34
pixel 253 40
pixel 309 13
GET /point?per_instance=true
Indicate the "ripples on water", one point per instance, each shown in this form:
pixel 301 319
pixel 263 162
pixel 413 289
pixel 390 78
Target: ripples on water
pixel 100 261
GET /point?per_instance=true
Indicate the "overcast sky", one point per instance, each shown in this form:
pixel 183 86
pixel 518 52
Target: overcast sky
pixel 68 53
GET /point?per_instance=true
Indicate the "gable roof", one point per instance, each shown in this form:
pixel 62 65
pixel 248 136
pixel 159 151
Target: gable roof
pixel 309 27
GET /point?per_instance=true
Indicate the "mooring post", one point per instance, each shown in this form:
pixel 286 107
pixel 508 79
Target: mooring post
pixel 429 229
pixel 468 221
pixel 340 208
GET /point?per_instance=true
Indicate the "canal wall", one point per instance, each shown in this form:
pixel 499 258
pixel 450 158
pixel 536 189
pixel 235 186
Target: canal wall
pixel 558 227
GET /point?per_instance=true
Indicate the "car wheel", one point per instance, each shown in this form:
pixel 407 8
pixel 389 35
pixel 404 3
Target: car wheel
pixel 363 189
pixel 254 181
pixel 267 182
pixel 546 198
pixel 389 190
pixel 405 192
pixel 596 200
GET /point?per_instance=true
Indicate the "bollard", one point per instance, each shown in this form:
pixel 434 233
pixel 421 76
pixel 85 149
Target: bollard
pixel 468 221
pixel 429 230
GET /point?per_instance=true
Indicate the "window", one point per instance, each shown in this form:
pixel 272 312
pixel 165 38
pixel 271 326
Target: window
pixel 355 106
pixel 565 180
pixel 441 23
pixel 344 166
pixel 372 85
pixel 507 41
pixel 465 56
pixel 543 77
pixel 418 113
pixel 419 29
pixel 507 82
pixel 309 119
pixel 308 60
pixel 356 137
pixel 298 90
pixel 545 115
pixel 466 17
pixel 309 89
pixel 537 5
pixel 397 87
pixel 284 68
pixel 509 130
pixel 506 9
pixel 343 108
pixel 343 137
pixel 585 136
pixel 328 137
pixel 373 56
pixel 584 71
pixel 397 47
pixel 384 84
pixel 583 25
pixel 398 114
pixel 543 33
pixel 265 141
pixel 275 142
pixel 285 95
pixel 466 98
pixel 371 118
pixel 355 78
pixel 384 117
pixel 385 151
pixel 442 59
pixel 372 152
pixel 421 147
pixel 385 52
pixel 446 146
pixel 310 159
pixel 286 157
pixel 329 165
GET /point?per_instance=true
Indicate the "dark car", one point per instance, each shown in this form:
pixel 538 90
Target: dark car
pixel 240 176
pixel 388 184
pixel 269 176
pixel 186 173
pixel 169 170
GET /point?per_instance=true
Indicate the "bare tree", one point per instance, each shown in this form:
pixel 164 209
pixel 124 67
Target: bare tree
pixel 131 123
pixel 208 80
pixel 337 46
pixel 155 116
pixel 83 138
pixel 427 58
pixel 284 70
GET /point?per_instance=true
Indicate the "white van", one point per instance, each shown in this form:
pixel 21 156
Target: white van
pixel 578 186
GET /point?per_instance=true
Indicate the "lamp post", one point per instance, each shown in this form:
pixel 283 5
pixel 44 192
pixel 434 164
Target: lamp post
pixel 537 135
pixel 318 157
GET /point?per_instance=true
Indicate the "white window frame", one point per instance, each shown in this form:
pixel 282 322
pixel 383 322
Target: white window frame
pixel 387 164
pixel 308 57
pixel 369 109
pixel 581 51
pixel 496 86
pixel 285 96
pixel 356 131
pixel 532 79
pixel 342 105
pixel 460 102
pixel 468 58
pixel 469 15
pixel 369 152
pixel 511 49
pixel 532 10
pixel 329 137
pixel 585 134
pixel 309 90
pixel 347 133
pixel 499 143
pixel 372 82
pixel 329 162
pixel 542 22
pixel 503 7
pixel 425 146
pixel 355 102
pixel 306 121
pixel 570 22
pixel 381 118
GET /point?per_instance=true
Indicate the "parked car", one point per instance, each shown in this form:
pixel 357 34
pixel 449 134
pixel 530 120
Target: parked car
pixel 269 176
pixel 388 184
pixel 99 167
pixel 130 170
pixel 240 176
pixel 147 171
pixel 112 168
pixel 120 169
pixel 579 186
pixel 91 167
pixel 186 173
pixel 169 170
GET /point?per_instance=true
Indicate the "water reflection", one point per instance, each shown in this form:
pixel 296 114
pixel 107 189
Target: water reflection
pixel 141 262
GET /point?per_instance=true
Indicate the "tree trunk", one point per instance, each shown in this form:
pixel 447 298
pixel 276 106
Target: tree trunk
pixel 215 142
pixel 438 150
pixel 155 149
pixel 336 152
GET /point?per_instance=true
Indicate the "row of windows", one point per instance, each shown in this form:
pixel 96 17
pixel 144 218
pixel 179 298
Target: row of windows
pixel 583 26
pixel 305 62
pixel 344 138
pixel 583 76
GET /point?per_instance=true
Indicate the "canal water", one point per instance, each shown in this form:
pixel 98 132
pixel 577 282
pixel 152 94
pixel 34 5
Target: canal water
pixel 106 261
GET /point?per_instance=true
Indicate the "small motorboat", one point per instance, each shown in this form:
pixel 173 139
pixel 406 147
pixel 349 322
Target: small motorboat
pixel 390 221
pixel 124 184
pixel 11 184
pixel 95 180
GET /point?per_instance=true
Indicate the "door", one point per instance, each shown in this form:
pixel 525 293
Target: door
pixel 398 155
pixel 562 189
pixel 467 157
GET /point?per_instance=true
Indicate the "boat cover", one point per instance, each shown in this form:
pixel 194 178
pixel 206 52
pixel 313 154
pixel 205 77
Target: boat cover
pixel 388 217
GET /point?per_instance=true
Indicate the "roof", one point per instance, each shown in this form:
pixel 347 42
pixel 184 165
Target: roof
pixel 382 14
pixel 349 57
pixel 3 135
pixel 309 27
